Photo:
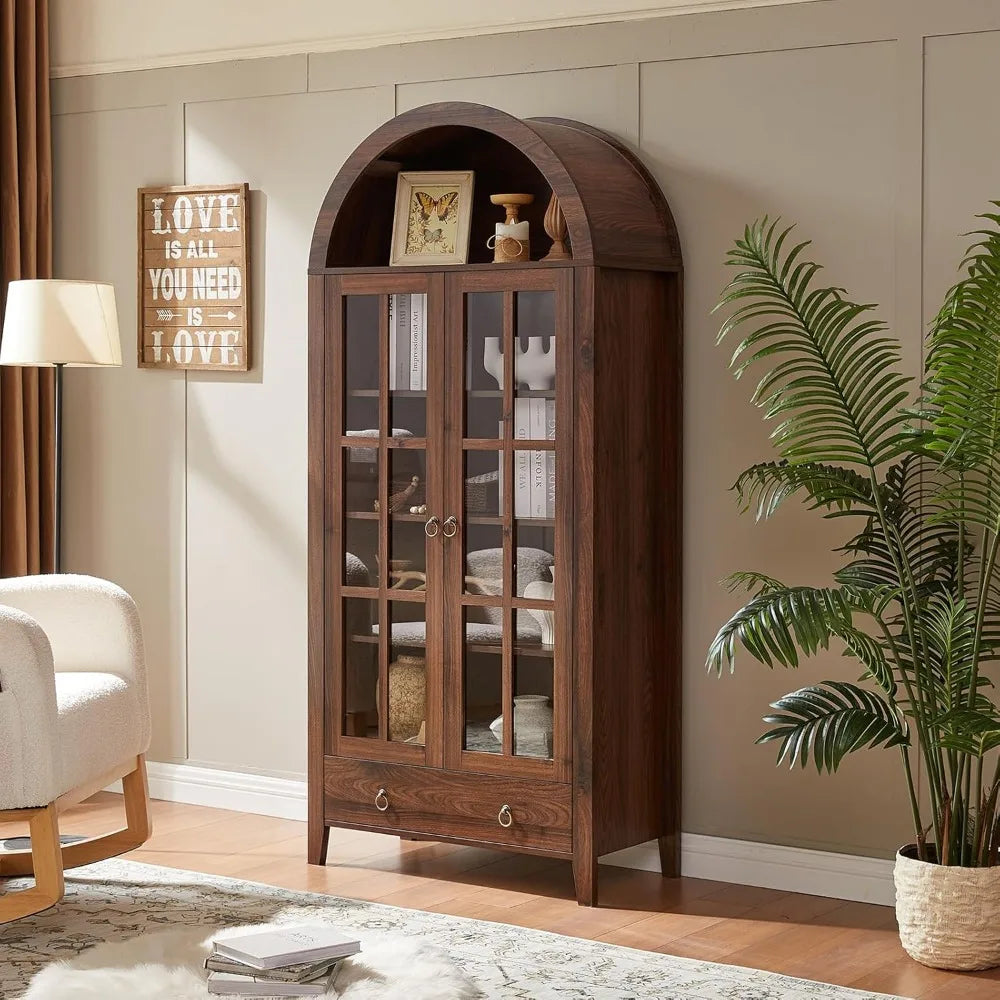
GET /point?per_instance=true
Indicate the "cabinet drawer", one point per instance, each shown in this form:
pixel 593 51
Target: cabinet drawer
pixel 449 804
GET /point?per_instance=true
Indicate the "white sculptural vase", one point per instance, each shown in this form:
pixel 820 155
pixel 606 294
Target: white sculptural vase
pixel 534 367
pixel 542 590
pixel 532 726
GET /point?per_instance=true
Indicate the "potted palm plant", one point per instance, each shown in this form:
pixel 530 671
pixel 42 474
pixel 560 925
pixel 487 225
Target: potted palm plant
pixel 916 604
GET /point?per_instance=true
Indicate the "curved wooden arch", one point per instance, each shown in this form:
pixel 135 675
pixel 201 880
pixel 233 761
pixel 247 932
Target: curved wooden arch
pixel 614 211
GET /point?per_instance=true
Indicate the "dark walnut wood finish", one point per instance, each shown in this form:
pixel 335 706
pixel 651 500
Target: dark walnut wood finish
pixel 613 780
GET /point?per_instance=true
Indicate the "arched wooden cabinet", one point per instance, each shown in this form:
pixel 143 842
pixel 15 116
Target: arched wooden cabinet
pixel 494 538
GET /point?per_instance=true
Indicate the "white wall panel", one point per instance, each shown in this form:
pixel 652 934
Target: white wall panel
pixel 808 135
pixel 247 434
pixel 961 152
pixel 123 464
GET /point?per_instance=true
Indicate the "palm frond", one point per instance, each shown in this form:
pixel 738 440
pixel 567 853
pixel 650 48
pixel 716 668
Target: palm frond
pixel 971 732
pixel 833 377
pixel 776 625
pixel 928 547
pixel 871 653
pixel 829 721
pixel 752 582
pixel 950 631
pixel 765 486
pixel 963 385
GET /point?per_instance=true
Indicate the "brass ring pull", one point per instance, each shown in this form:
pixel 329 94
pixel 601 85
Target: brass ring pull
pixel 505 817
pixel 381 801
pixel 432 522
pixel 450 522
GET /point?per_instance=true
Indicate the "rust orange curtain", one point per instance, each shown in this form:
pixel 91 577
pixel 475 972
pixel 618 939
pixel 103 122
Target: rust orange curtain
pixel 27 417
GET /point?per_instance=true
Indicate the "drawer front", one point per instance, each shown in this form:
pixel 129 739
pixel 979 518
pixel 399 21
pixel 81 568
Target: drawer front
pixel 449 804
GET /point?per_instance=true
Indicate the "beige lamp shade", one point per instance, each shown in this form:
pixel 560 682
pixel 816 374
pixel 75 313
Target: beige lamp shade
pixel 52 322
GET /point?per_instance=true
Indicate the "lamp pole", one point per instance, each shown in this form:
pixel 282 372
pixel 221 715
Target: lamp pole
pixel 57 478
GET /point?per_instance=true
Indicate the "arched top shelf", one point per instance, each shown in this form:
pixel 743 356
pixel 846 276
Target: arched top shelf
pixel 615 212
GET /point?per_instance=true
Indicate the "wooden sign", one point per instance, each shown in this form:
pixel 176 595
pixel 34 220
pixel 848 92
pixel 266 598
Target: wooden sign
pixel 194 277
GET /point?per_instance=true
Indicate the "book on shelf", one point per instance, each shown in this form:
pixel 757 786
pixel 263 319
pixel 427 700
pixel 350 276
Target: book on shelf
pixel 550 459
pixel 538 417
pixel 278 947
pixel 418 341
pixel 234 984
pixel 522 459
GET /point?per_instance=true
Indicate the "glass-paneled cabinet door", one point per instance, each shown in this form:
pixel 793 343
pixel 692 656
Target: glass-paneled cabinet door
pixel 385 431
pixel 507 689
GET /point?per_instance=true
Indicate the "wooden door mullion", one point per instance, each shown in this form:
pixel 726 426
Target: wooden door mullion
pixel 562 679
pixel 507 636
pixel 335 644
pixel 452 558
pixel 385 626
pixel 439 495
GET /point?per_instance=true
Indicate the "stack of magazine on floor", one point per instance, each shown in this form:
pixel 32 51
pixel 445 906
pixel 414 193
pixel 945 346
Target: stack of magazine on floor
pixel 298 961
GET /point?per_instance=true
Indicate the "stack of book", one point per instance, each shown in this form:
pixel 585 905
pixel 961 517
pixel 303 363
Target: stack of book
pixel 279 962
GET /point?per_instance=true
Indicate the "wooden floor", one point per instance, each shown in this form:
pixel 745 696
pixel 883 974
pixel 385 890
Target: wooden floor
pixel 853 944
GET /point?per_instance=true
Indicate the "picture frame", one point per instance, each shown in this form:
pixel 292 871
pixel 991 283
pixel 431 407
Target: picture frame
pixel 432 217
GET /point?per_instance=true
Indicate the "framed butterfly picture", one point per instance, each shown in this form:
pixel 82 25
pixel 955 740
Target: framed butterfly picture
pixel 432 218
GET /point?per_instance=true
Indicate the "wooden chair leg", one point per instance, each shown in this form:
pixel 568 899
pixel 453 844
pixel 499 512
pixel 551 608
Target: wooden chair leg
pixel 137 830
pixel 138 819
pixel 46 863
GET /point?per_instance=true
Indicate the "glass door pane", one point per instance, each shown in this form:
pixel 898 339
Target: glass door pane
pixel 386 461
pixel 506 651
pixel 534 536
pixel 483 681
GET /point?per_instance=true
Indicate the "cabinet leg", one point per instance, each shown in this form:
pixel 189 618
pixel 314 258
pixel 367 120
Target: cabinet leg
pixel 585 879
pixel 670 855
pixel 319 841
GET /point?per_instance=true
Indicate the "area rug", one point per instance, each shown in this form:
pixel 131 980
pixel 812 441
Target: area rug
pixel 115 901
pixel 168 965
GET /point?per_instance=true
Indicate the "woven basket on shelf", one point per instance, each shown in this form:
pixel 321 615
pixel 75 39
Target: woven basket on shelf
pixel 949 917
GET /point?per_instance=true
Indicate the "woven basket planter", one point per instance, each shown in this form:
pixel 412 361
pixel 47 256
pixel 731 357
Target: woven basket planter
pixel 949 917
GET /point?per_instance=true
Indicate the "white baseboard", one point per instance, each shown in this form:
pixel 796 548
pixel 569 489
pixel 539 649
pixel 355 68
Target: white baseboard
pixel 205 786
pixel 792 869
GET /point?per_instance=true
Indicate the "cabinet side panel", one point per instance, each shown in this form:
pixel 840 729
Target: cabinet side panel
pixel 317 602
pixel 637 559
pixel 584 849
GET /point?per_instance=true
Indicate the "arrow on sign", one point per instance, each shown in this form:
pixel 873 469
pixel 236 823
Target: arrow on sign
pixel 226 315
pixel 165 315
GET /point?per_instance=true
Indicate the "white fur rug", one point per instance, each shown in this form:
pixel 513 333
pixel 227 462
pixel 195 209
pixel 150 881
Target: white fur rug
pixel 168 965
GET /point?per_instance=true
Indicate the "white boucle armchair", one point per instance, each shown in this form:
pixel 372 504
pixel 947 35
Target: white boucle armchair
pixel 74 718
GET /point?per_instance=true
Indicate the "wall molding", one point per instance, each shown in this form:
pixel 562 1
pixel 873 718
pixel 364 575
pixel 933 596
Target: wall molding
pixel 791 869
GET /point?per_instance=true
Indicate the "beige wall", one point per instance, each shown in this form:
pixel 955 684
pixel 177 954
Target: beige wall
pixel 102 36
pixel 845 116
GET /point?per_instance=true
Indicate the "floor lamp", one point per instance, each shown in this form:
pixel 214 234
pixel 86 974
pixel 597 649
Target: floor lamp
pixel 50 323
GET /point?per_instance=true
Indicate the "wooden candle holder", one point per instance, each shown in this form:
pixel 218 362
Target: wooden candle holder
pixel 555 229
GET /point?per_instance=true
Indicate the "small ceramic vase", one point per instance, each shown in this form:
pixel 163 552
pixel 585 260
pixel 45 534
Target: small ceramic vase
pixel 532 726
pixel 407 697
pixel 542 590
